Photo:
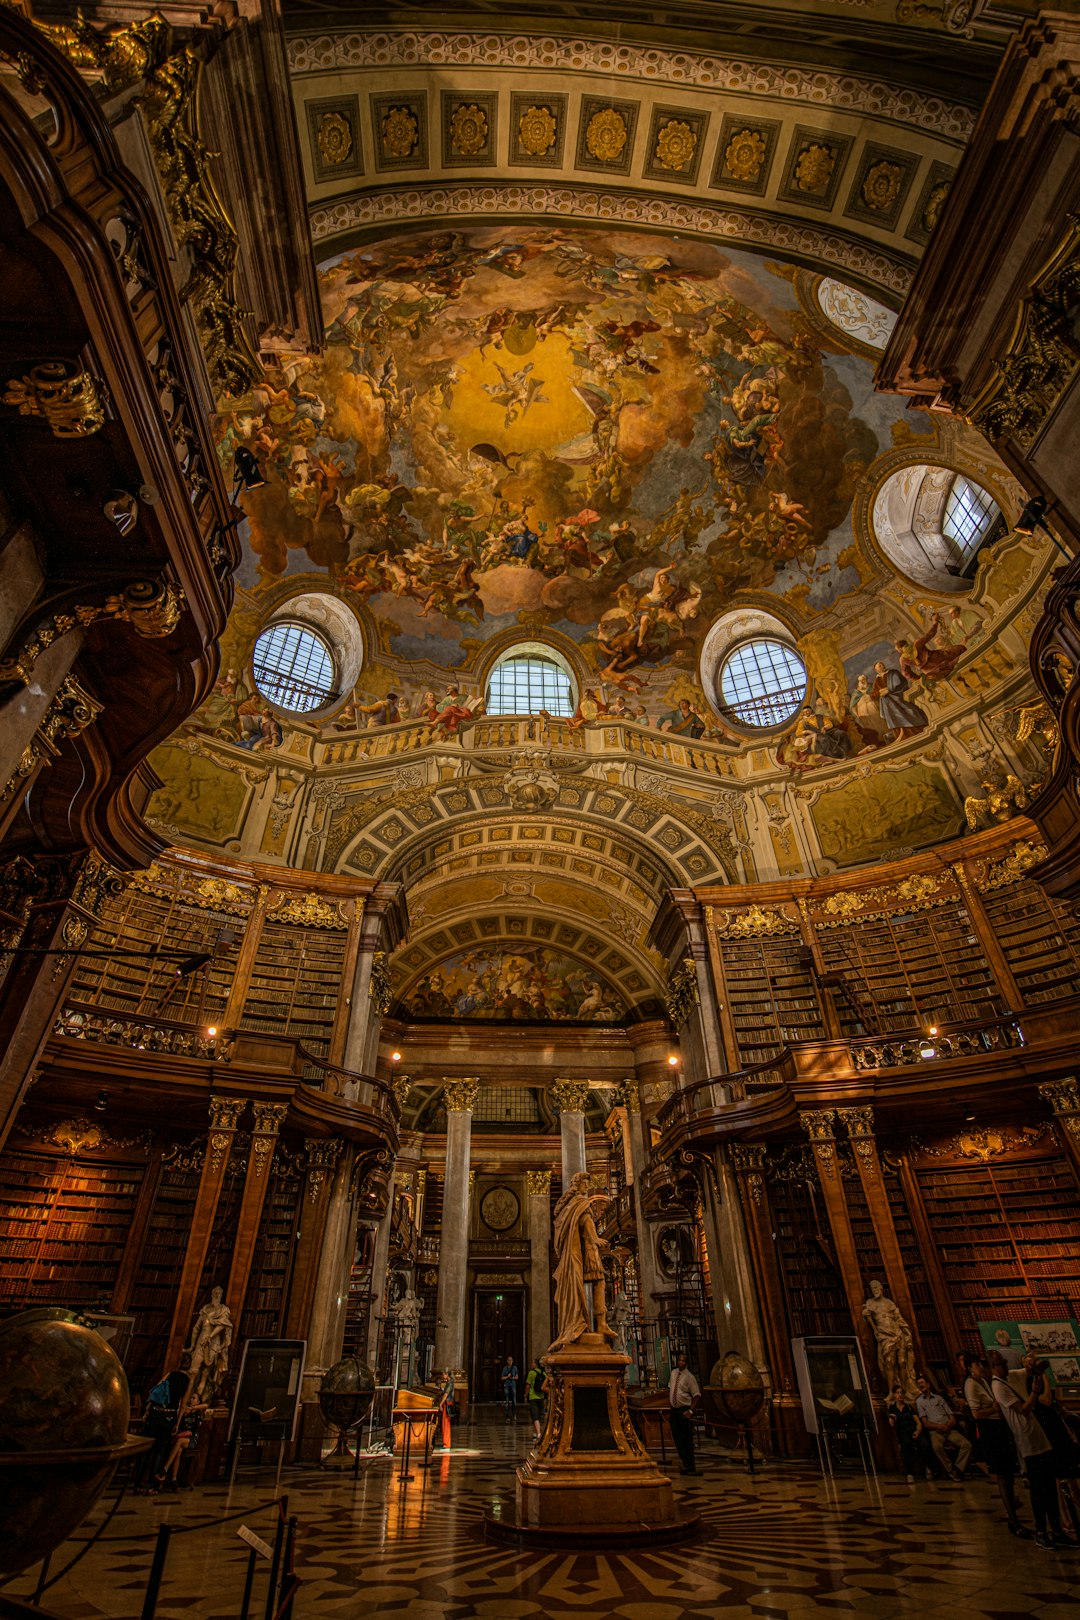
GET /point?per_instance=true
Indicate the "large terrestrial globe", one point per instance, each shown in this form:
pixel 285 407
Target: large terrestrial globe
pixel 64 1411
pixel 736 1388
pixel 348 1389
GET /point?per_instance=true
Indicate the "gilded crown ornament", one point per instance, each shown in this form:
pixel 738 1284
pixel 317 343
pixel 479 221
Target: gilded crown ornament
pixel 63 395
pixel 537 131
pixel 745 154
pixel 334 139
pixel 675 144
pixel 400 132
pixel 606 135
pixel 468 130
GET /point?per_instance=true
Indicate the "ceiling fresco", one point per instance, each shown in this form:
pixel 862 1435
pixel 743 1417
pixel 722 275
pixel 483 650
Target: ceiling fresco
pixel 527 982
pixel 608 436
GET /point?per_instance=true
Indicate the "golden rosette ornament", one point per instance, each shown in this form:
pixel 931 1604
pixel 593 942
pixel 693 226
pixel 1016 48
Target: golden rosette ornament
pixel 675 144
pixel 400 132
pixel 334 139
pixel 537 131
pixel 468 130
pixel 606 136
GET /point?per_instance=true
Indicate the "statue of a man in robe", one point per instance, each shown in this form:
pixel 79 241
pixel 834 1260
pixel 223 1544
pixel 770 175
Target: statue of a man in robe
pixel 211 1337
pixel 579 1271
pixel 896 1352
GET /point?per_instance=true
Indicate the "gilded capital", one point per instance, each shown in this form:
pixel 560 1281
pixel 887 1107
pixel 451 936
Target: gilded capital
pixel 570 1096
pixel 681 994
pixel 629 1096
pixel 748 1155
pixel 538 1183
pixel 225 1112
pixel 1062 1095
pixel 268 1117
pixel 819 1124
pixel 402 1085
pixel 461 1095
pixel 323 1153
pixel 857 1121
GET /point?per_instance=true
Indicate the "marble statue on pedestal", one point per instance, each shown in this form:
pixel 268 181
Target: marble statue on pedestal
pixel 211 1337
pixel 579 1271
pixel 620 1317
pixel 406 1313
pixel 896 1351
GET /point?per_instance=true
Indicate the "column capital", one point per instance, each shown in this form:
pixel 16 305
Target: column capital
pixel 819 1124
pixel 268 1117
pixel 402 1085
pixel 857 1121
pixel 747 1155
pixel 225 1112
pixel 538 1183
pixel 629 1095
pixel 461 1095
pixel 570 1096
pixel 322 1158
pixel 1062 1095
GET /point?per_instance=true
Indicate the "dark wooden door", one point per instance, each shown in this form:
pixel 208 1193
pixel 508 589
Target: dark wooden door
pixel 498 1328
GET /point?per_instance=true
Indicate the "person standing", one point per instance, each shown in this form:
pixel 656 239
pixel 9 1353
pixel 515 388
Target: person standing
pixel 509 1379
pixel 939 1421
pixel 535 1387
pixel 1035 1452
pixel 995 1441
pixel 684 1393
pixel 906 1426
pixel 447 1410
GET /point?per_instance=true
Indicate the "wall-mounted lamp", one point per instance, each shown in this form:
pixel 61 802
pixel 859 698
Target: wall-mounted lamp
pixel 1034 517
pixel 246 473
pixel 102 1102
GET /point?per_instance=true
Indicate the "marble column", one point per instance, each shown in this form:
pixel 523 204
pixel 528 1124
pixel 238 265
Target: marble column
pixel 538 1187
pixel 570 1098
pixel 379 1263
pixel 326 1334
pixel 454 1245
pixel 648 1282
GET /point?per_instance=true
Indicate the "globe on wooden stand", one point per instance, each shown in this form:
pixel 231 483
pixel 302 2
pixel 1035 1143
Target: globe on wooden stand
pixel 64 1410
pixel 348 1389
pixel 735 1394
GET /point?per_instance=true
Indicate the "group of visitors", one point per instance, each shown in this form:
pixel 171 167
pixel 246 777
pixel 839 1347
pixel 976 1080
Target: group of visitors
pixel 535 1392
pixel 172 1418
pixel 1002 1425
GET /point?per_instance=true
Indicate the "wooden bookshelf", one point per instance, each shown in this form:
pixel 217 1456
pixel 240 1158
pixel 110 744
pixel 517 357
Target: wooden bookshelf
pixel 935 1350
pixel 64 1223
pixel 153 1294
pixel 296 984
pixel 901 969
pixel 813 1289
pixel 271 1267
pixel 771 995
pixel 1040 940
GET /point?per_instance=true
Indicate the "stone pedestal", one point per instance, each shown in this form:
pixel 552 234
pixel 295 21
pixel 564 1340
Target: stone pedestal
pixel 590 1479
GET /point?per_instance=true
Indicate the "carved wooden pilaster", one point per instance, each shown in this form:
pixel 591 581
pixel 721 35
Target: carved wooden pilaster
pixel 820 1126
pixel 268 1118
pixel 1064 1098
pixel 936 1280
pixel 1003 973
pixel 859 1124
pixel 322 1158
pixel 224 1114
pixel 138 1232
pixel 748 1161
pixel 245 960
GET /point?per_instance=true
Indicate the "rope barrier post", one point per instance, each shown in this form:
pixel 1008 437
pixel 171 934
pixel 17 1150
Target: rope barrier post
pixel 249 1583
pixel 286 1610
pixel 157 1572
pixel 287 1561
pixel 275 1562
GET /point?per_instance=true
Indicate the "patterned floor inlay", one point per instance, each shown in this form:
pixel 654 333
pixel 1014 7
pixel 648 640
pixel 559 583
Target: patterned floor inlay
pixel 785 1546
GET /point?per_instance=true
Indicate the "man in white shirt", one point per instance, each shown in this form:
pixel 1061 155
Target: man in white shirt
pixel 684 1392
pixel 939 1421
pixel 1034 1450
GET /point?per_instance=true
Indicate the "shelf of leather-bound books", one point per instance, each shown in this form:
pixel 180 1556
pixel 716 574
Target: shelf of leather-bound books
pixel 70 1255
pixel 296 984
pixel 265 1300
pixel 153 1292
pixel 1039 939
pixel 811 1282
pixel 134 987
pixel 911 1254
pixel 770 995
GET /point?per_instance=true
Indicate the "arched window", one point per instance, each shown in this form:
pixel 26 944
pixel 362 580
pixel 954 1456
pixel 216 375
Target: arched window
pixel 526 682
pixel 762 683
pixel 294 667
pixel 969 517
pixel 932 521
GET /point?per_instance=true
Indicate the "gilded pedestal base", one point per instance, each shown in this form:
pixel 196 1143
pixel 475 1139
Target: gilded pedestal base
pixel 590 1479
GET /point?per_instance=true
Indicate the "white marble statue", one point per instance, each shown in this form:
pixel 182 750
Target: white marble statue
pixel 406 1313
pixel 620 1315
pixel 211 1337
pixel 896 1352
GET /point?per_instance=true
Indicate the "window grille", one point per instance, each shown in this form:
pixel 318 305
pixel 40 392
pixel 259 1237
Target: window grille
pixel 527 685
pixel 969 517
pixel 294 668
pixel 763 683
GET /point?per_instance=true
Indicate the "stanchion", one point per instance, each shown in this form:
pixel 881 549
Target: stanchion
pixel 287 1574
pixel 157 1572
pixel 275 1562
pixel 249 1583
pixel 39 1589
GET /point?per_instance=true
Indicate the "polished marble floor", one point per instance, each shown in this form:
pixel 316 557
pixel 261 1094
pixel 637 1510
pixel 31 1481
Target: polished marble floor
pixel 785 1544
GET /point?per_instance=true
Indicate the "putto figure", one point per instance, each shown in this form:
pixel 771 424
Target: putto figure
pixel 896 1352
pixel 579 1271
pixel 211 1337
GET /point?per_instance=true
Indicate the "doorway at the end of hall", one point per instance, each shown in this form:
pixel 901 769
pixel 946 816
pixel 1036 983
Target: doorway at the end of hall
pixel 498 1327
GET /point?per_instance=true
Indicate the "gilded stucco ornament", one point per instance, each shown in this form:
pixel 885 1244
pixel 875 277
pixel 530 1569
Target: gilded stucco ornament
pixel 537 131
pixel 308 911
pixel 468 130
pixel 934 204
pixel 334 139
pixel 63 395
pixel 400 132
pixel 675 144
pixel 538 1183
pixel 814 167
pixel 745 154
pixel 755 922
pixel 570 1096
pixel 606 135
pixel 379 988
pixel 460 1097
pixel 881 186
pixel 1012 869
pixel 1002 800
pixel 681 994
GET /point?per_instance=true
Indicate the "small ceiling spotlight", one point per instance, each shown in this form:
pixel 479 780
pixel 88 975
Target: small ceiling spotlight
pixel 673 1061
pixel 246 471
pixel 102 1102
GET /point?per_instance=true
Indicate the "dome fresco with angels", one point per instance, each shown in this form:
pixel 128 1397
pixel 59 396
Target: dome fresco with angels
pixel 610 435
